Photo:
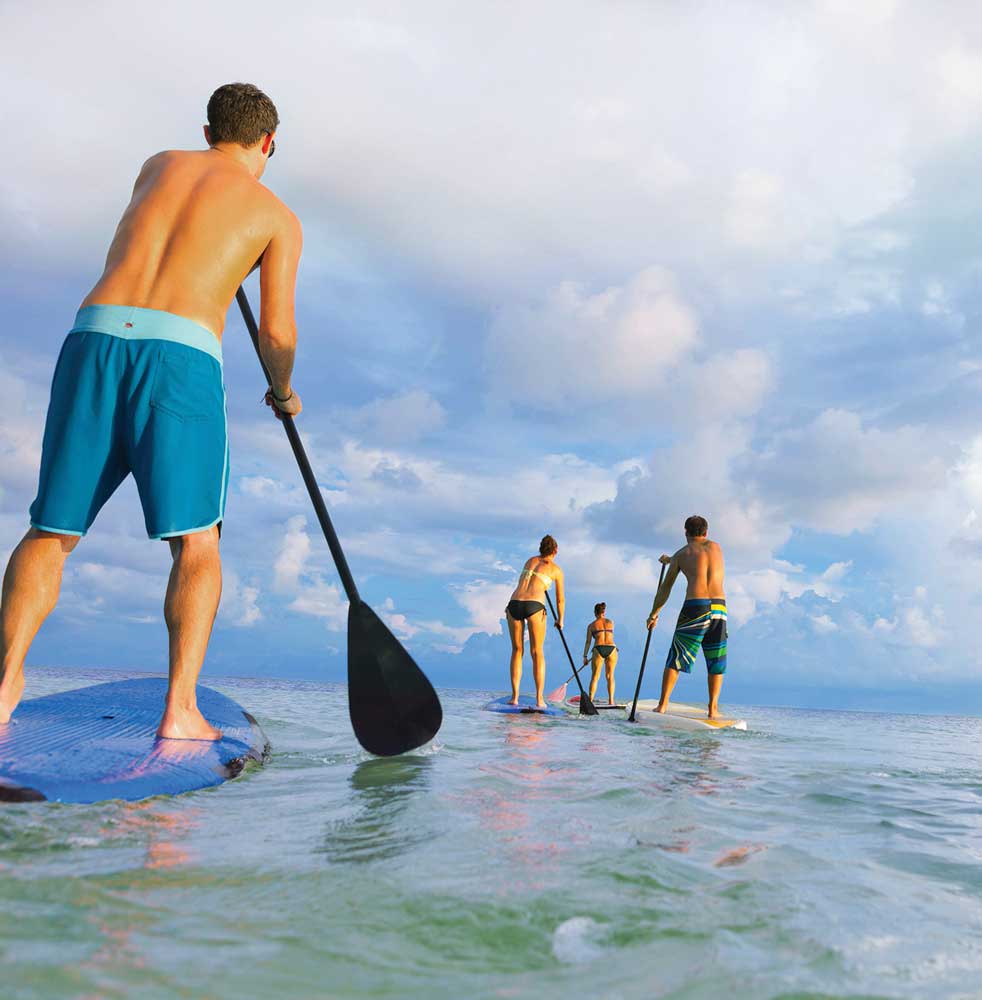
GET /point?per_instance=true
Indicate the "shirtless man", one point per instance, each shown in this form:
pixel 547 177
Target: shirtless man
pixel 138 386
pixel 702 620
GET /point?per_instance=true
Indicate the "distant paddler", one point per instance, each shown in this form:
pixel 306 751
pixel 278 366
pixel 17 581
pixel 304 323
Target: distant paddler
pixel 600 632
pixel 528 605
pixel 702 620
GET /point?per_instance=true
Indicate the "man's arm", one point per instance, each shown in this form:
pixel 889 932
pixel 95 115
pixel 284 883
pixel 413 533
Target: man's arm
pixel 560 599
pixel 665 590
pixel 586 647
pixel 277 317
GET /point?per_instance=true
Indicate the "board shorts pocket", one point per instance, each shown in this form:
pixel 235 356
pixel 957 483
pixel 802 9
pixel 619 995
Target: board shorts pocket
pixel 187 384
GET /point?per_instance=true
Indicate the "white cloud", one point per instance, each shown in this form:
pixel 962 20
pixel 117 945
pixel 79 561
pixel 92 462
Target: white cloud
pixel 400 419
pixel 306 589
pixel 322 600
pixel 823 623
pixel 576 348
pixel 239 605
pixel 294 552
pixel 836 474
pixel 398 623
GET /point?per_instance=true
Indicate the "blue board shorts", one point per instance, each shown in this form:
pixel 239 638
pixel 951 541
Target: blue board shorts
pixel 701 625
pixel 141 391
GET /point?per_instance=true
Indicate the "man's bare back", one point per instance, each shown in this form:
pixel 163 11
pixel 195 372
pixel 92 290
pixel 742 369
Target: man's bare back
pixel 701 563
pixel 195 226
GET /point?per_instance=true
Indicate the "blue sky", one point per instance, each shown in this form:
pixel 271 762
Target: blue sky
pixel 584 272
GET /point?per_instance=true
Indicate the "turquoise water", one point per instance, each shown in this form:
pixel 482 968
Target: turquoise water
pixel 818 854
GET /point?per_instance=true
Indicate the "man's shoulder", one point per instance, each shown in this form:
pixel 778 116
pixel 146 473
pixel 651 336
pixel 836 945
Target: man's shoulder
pixel 287 220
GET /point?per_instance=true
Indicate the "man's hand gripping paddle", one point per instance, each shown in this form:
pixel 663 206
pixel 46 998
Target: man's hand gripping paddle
pixel 586 705
pixel 644 659
pixel 392 705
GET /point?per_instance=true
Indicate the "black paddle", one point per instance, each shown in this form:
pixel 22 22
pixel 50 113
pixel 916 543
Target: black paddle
pixel 586 705
pixel 644 658
pixel 392 705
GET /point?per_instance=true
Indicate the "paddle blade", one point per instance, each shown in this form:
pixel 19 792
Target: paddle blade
pixel 392 705
pixel 586 705
pixel 558 695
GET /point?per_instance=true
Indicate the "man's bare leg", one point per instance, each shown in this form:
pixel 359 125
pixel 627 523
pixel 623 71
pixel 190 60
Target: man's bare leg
pixel 516 631
pixel 715 686
pixel 668 679
pixel 31 586
pixel 193 593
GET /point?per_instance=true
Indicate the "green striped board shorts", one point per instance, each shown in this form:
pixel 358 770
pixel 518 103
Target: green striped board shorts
pixel 702 623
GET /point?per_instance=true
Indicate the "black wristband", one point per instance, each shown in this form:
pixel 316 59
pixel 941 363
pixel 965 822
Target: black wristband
pixel 285 399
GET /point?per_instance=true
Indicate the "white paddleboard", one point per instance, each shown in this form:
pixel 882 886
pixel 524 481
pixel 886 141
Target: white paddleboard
pixel 680 716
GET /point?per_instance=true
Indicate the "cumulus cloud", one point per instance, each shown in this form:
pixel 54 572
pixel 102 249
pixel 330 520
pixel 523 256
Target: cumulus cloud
pixel 575 347
pixel 837 474
pixel 400 419
pixel 240 602
pixel 324 600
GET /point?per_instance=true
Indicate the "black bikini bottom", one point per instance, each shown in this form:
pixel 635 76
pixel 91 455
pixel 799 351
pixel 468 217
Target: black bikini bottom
pixel 604 651
pixel 520 610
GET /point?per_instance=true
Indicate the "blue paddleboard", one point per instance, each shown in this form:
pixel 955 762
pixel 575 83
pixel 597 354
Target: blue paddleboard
pixel 99 742
pixel 525 706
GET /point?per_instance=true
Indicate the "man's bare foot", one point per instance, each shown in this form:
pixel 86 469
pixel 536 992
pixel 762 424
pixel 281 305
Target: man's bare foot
pixel 514 701
pixel 10 691
pixel 713 712
pixel 186 724
pixel 539 703
pixel 660 708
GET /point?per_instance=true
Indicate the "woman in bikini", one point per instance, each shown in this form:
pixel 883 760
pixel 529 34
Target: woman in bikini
pixel 528 605
pixel 601 632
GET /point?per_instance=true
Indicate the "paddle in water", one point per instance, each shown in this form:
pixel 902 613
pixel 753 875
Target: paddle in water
pixel 392 704
pixel 586 705
pixel 644 658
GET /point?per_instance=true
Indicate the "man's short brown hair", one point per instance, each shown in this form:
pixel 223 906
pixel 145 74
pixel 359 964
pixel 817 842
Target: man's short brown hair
pixel 696 526
pixel 242 113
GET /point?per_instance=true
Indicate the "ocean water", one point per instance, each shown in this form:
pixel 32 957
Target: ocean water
pixel 819 854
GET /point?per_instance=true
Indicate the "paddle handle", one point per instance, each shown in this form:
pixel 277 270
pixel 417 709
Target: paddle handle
pixel 644 658
pixel 347 580
pixel 576 674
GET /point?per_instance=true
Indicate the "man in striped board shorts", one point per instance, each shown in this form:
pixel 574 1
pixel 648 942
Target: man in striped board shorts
pixel 702 620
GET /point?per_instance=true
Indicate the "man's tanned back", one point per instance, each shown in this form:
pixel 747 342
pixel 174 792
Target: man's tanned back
pixel 701 563
pixel 197 223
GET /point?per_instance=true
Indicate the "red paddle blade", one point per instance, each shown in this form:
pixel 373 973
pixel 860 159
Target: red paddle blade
pixel 558 695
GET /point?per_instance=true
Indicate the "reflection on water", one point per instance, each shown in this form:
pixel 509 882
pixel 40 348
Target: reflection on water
pixel 818 854
pixel 374 830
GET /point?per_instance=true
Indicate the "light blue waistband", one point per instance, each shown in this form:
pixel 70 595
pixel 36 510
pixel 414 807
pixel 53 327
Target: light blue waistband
pixel 133 323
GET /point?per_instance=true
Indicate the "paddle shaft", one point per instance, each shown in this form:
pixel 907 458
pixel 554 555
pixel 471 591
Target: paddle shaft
pixel 559 628
pixel 644 659
pixel 300 455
